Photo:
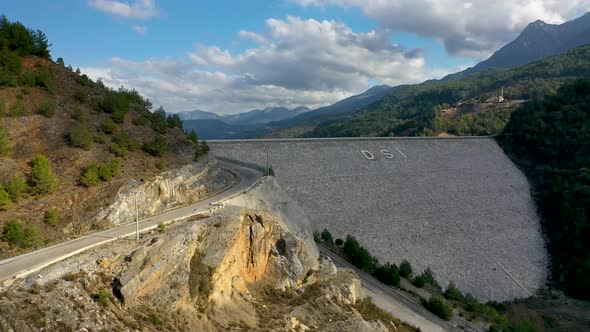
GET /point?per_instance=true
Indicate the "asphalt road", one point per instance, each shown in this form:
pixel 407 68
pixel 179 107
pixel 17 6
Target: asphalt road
pixel 393 301
pixel 23 265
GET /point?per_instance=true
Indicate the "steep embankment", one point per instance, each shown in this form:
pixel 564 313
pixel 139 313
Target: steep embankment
pixel 252 267
pixel 70 146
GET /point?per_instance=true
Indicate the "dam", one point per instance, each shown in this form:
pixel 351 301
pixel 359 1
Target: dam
pixel 456 205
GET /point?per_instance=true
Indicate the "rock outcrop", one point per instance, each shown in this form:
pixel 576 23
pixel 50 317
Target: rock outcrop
pixel 187 184
pixel 251 266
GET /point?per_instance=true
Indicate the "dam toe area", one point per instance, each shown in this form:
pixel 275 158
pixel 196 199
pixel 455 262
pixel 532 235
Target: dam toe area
pixel 459 206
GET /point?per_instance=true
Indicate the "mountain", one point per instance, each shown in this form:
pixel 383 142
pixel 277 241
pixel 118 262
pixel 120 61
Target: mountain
pixel 198 115
pixel 308 120
pixel 537 41
pixel 465 106
pixel 269 114
pixel 250 124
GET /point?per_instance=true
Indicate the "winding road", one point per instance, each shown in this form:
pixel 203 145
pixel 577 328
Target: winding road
pixel 23 265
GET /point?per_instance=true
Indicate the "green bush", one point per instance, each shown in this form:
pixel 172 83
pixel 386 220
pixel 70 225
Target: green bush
pixel 18 109
pixel 430 279
pixel 81 96
pixel 101 138
pixel 44 79
pixel 15 187
pixel 326 236
pixel 109 126
pixel 103 297
pixel 140 120
pixel 437 306
pixel 43 181
pixel 419 281
pixel 405 269
pixel 4 199
pixel 4 141
pixel 339 242
pixel 51 217
pixel 162 228
pixel 13 233
pixel 90 176
pixel 47 108
pixel 60 62
pixel 10 61
pixel 453 293
pixel 159 122
pixel 79 114
pixel 358 255
pixel 192 136
pixel 119 151
pixel 80 136
pixel 388 274
pixel 155 147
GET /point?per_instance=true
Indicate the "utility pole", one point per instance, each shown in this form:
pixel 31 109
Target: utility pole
pixel 267 165
pixel 136 220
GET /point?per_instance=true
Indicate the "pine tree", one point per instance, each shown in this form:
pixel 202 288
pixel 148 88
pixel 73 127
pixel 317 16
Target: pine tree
pixel 4 199
pixel 60 61
pixel 43 181
pixel 4 149
pixel 90 176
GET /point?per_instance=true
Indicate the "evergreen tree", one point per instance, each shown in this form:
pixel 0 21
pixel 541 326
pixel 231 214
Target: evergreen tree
pixel 405 269
pixel 60 61
pixel 4 140
pixel 4 199
pixel 90 176
pixel 192 136
pixel 15 187
pixel 80 136
pixel 43 181
pixel 13 233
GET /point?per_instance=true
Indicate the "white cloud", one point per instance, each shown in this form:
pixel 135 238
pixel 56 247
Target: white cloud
pixel 139 9
pixel 296 62
pixel 469 28
pixel 141 29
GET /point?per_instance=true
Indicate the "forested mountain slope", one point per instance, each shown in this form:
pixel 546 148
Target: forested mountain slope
pixel 550 140
pixel 418 109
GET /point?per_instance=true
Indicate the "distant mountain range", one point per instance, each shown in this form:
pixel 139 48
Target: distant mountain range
pixel 537 41
pixel 242 125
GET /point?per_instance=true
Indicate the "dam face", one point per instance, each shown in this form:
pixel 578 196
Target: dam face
pixel 456 205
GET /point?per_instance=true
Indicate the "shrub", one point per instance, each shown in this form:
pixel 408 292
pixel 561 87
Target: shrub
pixel 15 187
pixel 326 236
pixel 103 296
pixel 388 274
pixel 105 173
pixel 453 293
pixel 101 138
pixel 90 176
pixel 155 147
pixel 4 141
pixel 13 233
pixel 405 269
pixel 60 61
pixel 80 136
pixel 192 136
pixel 119 151
pixel 4 199
pixel 51 217
pixel 115 166
pixel 44 79
pixel 339 242
pixel 159 122
pixel 419 281
pixel 437 306
pixel 430 279
pixel 43 181
pixel 140 120
pixel 358 255
pixel 162 228
pixel 81 96
pixel 174 121
pixel 109 126
pixel 18 109
pixel 47 108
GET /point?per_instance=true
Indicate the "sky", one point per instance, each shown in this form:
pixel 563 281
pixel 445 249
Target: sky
pixel 233 56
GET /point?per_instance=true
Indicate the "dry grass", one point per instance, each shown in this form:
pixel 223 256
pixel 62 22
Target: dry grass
pixel 370 311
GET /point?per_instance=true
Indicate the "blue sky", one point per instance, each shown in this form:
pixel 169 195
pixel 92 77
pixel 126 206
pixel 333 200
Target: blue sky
pixel 232 56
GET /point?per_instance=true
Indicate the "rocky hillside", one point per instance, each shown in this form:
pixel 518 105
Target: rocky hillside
pixel 252 266
pixel 69 145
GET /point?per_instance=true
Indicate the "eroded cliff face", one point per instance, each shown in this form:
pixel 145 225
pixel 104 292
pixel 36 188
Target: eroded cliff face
pixel 244 268
pixel 187 184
